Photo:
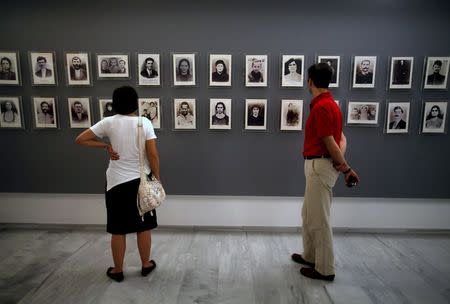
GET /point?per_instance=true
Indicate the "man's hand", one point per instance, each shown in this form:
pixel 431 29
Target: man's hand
pixel 112 154
pixel 351 178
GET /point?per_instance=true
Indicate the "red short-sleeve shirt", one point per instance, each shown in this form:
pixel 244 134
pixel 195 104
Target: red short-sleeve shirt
pixel 325 119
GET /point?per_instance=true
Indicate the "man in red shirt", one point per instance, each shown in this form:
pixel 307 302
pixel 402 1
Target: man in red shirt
pixel 324 150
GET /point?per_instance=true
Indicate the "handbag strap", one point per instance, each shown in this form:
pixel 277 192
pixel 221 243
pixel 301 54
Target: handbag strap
pixel 141 146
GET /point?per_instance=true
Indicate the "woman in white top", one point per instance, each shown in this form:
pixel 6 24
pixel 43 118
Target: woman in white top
pixel 122 177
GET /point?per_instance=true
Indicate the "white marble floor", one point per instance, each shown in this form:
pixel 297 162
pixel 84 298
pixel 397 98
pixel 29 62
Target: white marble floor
pixel 68 266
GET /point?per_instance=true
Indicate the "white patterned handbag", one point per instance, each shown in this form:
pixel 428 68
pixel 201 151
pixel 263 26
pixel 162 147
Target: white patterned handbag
pixel 150 192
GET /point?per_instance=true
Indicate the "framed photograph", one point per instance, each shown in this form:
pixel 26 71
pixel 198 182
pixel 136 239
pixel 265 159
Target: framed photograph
pixel 220 113
pixel 291 115
pixel 219 70
pixel 11 112
pixel 292 70
pixel 401 72
pixel 364 68
pixel 255 114
pixel 184 111
pixel 362 113
pixel 183 69
pixel 256 70
pixel 397 117
pixel 9 68
pixel 113 66
pixel 149 70
pixel 78 69
pixel 79 112
pixel 334 62
pixel 434 117
pixel 45 112
pixel 151 108
pixel 43 68
pixel 106 108
pixel 436 73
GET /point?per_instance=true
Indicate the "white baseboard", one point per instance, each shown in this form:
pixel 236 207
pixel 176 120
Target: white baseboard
pixel 231 211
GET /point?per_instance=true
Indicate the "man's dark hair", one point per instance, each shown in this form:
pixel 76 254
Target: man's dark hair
pixel 320 74
pixel 125 100
pixel 41 58
pixel 438 62
pixel 397 108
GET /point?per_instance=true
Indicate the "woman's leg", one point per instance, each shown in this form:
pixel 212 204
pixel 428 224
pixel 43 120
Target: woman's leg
pixel 144 243
pixel 118 246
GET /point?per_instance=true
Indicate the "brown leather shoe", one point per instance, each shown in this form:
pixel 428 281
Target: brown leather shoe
pixel 297 258
pixel 313 274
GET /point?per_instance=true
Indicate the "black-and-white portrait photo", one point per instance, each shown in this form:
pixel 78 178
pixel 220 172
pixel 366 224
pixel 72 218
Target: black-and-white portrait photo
pixel 78 69
pixel 220 113
pixel 291 115
pixel 436 73
pixel 401 72
pixel 256 70
pixel 113 66
pixel 150 108
pixel 149 70
pixel 292 70
pixel 43 68
pixel 9 68
pixel 183 69
pixel 79 112
pixel 334 62
pixel 255 114
pixel 364 68
pixel 106 107
pixel 364 113
pixel 220 70
pixel 45 114
pixel 434 117
pixel 184 113
pixel 397 117
pixel 10 112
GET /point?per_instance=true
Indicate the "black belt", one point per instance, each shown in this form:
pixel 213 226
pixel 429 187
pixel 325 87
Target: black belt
pixel 317 156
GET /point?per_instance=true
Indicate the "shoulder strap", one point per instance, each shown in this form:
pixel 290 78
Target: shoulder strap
pixel 141 146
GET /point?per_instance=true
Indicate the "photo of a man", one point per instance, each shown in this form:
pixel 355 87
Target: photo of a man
pixel 45 112
pixel 436 73
pixel 184 113
pixel 364 71
pixel 398 117
pixel 43 68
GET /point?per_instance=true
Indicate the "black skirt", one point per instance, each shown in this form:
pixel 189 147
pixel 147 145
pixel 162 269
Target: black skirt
pixel 122 213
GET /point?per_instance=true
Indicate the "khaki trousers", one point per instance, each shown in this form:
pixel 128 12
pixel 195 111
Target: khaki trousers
pixel 317 234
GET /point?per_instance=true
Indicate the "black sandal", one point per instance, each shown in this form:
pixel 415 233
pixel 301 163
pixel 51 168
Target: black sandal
pixel 145 271
pixel 116 276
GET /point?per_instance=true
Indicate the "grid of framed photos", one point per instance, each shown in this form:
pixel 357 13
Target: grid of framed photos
pixel 78 72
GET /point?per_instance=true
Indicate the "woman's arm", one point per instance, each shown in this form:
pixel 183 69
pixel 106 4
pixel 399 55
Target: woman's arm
pixel 87 138
pixel 153 157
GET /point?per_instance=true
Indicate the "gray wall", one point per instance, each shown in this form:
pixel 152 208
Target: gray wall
pixel 234 162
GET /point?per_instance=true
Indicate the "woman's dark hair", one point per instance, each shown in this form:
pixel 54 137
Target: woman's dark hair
pixel 298 62
pixel 188 63
pixel 125 100
pixel 320 74
pixel 223 105
pixel 13 106
pixel 429 116
pixel 220 61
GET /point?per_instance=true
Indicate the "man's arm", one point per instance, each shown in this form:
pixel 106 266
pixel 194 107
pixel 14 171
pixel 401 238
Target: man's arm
pixel 337 156
pixel 343 143
pixel 153 157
